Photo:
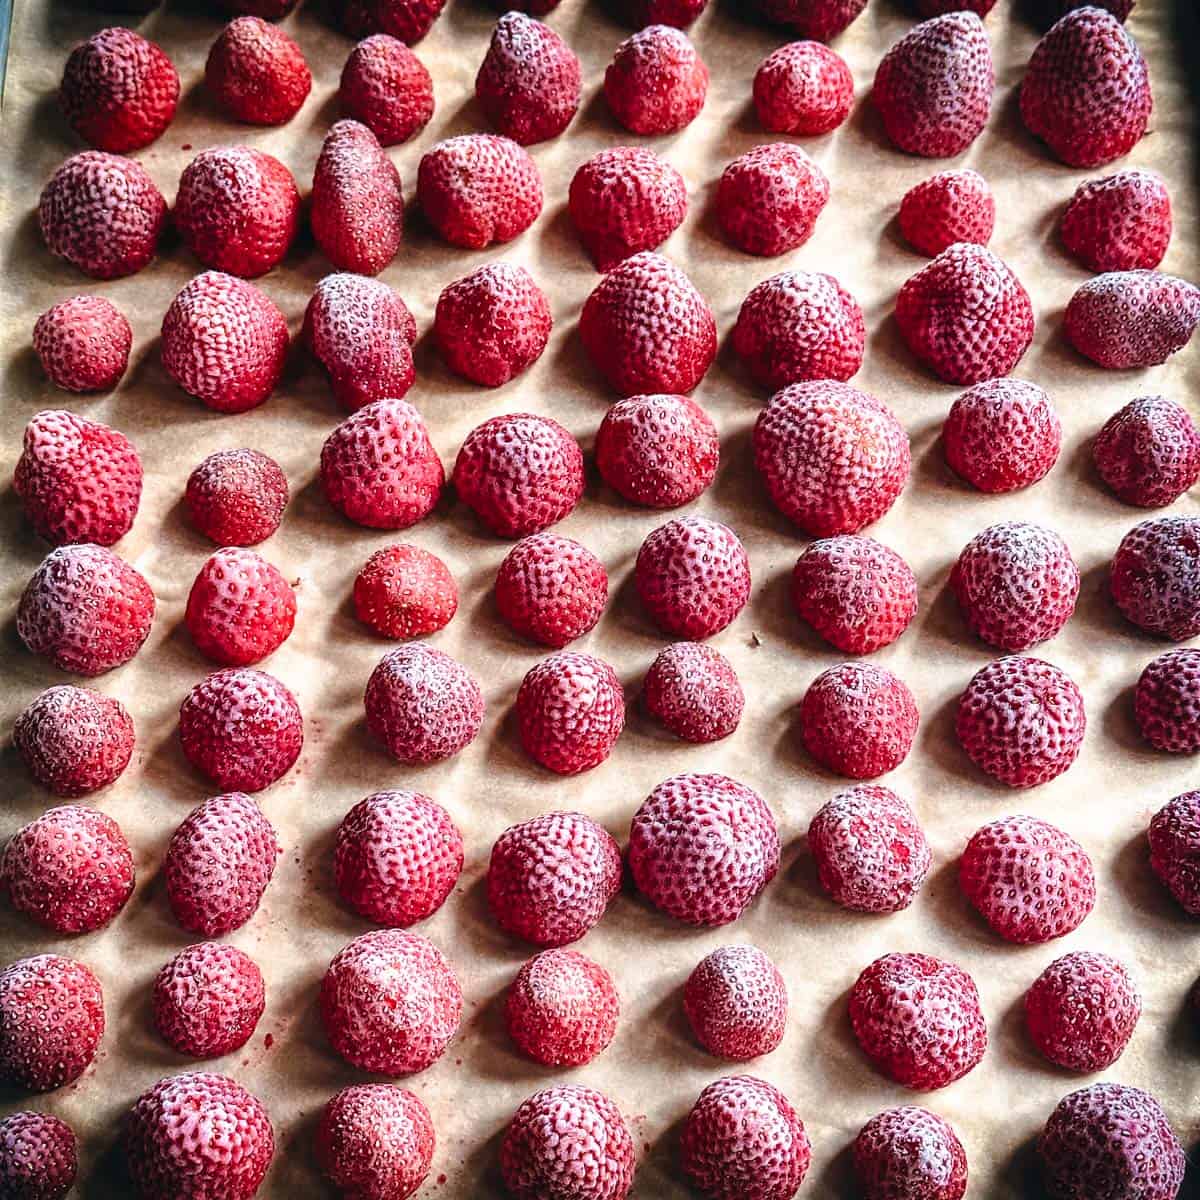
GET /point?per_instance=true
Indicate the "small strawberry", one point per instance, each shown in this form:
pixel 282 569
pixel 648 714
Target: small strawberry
pixel 256 73
pixel 38 1158
pixel 408 20
pixel 821 20
pixel 387 88
pixel 908 1152
pixel 769 199
pixel 1166 702
pixel 640 13
pixel 1174 838
pixel 1148 452
pixel 949 207
pixel 404 592
pixel 803 88
pixel 83 344
pixel 693 691
pixel 736 1002
pixel 551 589
pixel 1155 577
pixel 1119 223
pixel 237 497
pixel 656 82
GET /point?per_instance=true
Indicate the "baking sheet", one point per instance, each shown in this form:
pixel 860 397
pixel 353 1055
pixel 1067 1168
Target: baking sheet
pixel 652 1069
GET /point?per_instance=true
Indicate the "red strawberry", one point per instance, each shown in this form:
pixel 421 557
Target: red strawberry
pixel 694 692
pixel 1148 453
pixel 625 200
pixel 256 73
pixel 1059 8
pixel 833 458
pixel 936 8
pixel 404 592
pixel 237 497
pixel 38 1159
pixel 949 207
pixel 379 468
pixel 1166 702
pixel 118 90
pixel 966 315
pixel 477 189
pixel 647 329
pixel 769 199
pixel 1119 223
pixel 361 332
pixel 492 324
pixel 1174 837
pixel 225 342
pixel 933 88
pixel 656 82
pixel 640 13
pixel 408 20
pixel 908 1152
pixel 551 589
pixel 1129 319
pixel 1087 92
pixel 529 81
pixel 798 326
pixel 77 480
pixel 1155 577
pixel 103 214
pixel 386 87
pixel 85 609
pixel 821 20
pixel 803 88
pixel 269 10
pixel 83 344
pixel 208 1000
pixel 237 209
pixel 736 1002
pixel 218 864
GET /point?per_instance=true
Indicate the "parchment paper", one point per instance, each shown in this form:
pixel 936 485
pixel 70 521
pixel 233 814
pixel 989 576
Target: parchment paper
pixel 652 1069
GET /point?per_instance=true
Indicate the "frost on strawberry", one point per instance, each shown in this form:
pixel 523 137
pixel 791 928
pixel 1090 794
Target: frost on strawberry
pixel 83 344
pixel 257 73
pixel 387 88
pixel 656 82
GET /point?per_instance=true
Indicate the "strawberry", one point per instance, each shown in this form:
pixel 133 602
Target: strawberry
pixel 803 88
pixel 1174 838
pixel 256 73
pixel 550 589
pixel 387 88
pixel 269 10
pixel 1119 223
pixel 1155 577
pixel 1148 453
pixel 83 344
pixel 693 691
pixel 769 199
pixel 908 1152
pixel 656 82
pixel 208 1000
pixel 640 13
pixel 1166 702
pixel 820 20
pixel 736 1002
pixel 38 1159
pixel 237 497
pixel 404 592
pixel 408 20
pixel 949 207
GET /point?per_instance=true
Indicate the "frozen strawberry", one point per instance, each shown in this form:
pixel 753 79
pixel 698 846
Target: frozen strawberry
pixel 1166 702
pixel 478 188
pixel 701 848
pixel 743 1141
pixel 242 728
pixel 1081 1011
pixel 906 1153
pixel 1110 1138
pixel 694 692
pixel 561 1009
pixel 1128 319
pixel 870 850
pixel 77 480
pixel 362 333
pixel 1148 453
pixel 769 199
pixel 83 344
pixel 693 577
pixel 387 87
pixel 803 88
pixel 51 1022
pixel 1174 836
pixel 1119 223
pixel 1002 435
pixel 237 210
pixel 551 878
pixel 1086 92
pixel 404 592
pixel 237 497
pixel 656 82
pixel 225 342
pixel 1029 880
pixel 647 329
pixel 551 589
pixel 269 10
pixel 118 90
pixel 103 214
pixel 917 1018
pixel 833 458
pixel 1021 720
pixel 397 857
pixel 379 468
pixel 390 1002
pixel 357 209
pixel 519 473
pixel 658 451
pixel 208 1000
pixel 218 864
pixel 422 705
pixel 198 1135
pixel 1059 8
pixel 625 200
pixel 949 207
pixel 256 73
pixel 855 592
pixel 408 20
pixel 74 740
pixel 375 1142
pixel 936 8
pixel 820 20
pixel 1155 577
pixel 492 324
pixel 570 711
pixel 736 1002
pixel 933 88
pixel 240 608
pixel 640 13
pixel 1016 584
pixel 966 315
pixel 38 1159
pixel 529 81
pixel 85 609
pixel 71 870
pixel 858 720
pixel 567 1143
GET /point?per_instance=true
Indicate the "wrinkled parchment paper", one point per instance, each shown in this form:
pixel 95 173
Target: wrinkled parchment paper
pixel 652 1069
